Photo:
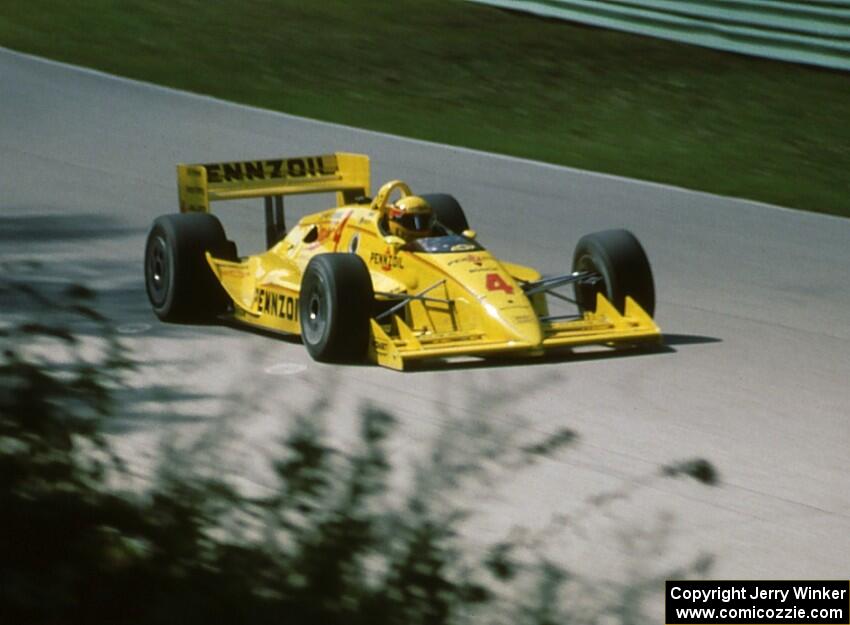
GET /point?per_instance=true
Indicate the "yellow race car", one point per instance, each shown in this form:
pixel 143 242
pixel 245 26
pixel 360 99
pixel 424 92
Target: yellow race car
pixel 394 279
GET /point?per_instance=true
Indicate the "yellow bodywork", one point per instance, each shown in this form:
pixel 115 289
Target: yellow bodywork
pixel 463 301
pixel 605 326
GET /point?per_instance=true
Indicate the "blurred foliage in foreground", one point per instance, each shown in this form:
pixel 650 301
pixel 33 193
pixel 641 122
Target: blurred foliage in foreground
pixel 472 75
pixel 325 546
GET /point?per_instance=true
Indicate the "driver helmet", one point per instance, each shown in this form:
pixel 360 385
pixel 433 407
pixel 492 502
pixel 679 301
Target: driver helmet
pixel 411 217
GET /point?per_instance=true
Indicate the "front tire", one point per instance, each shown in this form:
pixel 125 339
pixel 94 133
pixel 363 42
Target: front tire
pixel 180 283
pixel 619 260
pixel 335 307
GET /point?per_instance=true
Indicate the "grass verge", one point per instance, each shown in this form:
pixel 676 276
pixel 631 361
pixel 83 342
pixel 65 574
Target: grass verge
pixel 465 74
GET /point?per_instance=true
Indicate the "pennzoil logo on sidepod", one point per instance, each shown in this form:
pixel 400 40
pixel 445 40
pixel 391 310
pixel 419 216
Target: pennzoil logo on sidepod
pixel 387 260
pixel 276 304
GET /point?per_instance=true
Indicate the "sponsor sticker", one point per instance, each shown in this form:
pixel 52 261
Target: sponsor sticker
pixel 272 169
pixel 277 304
pixel 386 260
pixel 475 259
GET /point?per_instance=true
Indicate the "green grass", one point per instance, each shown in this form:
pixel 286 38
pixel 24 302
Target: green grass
pixel 470 75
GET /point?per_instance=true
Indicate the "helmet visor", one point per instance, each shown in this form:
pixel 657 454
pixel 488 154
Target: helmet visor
pixel 417 222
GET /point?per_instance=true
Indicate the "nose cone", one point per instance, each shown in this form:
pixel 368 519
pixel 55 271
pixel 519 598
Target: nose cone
pixel 507 312
pixel 513 316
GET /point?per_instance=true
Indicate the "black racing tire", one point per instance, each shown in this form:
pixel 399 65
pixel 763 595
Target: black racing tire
pixel 180 284
pixel 448 212
pixel 335 305
pixel 618 257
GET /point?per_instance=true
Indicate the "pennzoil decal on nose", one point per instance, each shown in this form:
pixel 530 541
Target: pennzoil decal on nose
pixel 277 304
pixel 475 259
pixel 386 260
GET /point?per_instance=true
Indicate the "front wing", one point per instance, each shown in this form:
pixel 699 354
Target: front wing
pixel 606 326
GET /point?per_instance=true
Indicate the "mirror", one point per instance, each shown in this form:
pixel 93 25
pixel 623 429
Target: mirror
pixel 469 234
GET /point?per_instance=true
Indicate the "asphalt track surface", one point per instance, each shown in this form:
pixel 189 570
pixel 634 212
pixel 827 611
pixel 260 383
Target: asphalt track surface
pixel 754 301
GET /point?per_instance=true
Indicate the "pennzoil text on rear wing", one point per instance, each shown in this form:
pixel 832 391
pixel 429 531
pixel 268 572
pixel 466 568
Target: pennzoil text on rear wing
pixel 340 172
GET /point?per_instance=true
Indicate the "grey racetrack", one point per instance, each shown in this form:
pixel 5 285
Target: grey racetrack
pixel 754 301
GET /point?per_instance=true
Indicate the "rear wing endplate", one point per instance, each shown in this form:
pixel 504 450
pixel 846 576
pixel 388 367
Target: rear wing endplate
pixel 340 172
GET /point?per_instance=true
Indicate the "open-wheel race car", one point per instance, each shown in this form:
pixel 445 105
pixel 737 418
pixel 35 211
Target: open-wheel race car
pixel 388 280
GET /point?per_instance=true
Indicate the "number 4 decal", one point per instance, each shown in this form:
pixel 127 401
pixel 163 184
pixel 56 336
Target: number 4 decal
pixel 495 282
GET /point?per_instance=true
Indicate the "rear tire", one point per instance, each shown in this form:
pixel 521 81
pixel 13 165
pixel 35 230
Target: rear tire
pixel 335 307
pixel 180 283
pixel 448 211
pixel 618 257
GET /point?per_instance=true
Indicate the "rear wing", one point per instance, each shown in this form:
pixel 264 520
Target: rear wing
pixel 343 173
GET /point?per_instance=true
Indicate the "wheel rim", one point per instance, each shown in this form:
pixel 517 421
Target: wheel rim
pixel 158 270
pixel 316 319
pixel 587 288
